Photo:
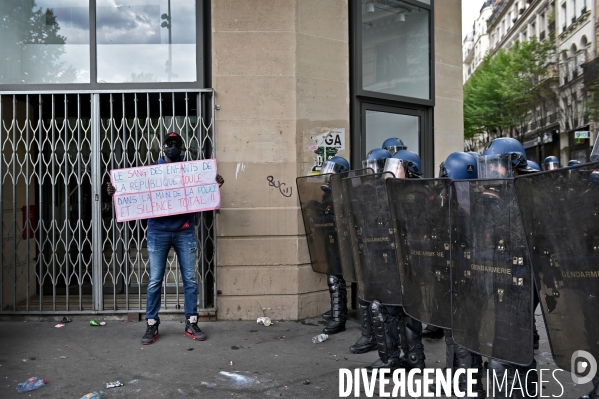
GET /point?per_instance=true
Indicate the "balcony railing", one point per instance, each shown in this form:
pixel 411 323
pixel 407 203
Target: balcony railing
pixel 574 74
pixel 497 12
pixel 583 11
pixel 542 36
pixel 552 118
pixel 564 27
pixel 573 19
pixel 551 28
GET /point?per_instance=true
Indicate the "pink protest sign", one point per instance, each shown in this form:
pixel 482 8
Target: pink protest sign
pixel 166 189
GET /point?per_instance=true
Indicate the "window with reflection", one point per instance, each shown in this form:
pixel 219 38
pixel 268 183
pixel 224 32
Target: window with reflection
pixel 382 125
pixel 146 41
pixel 396 48
pixel 44 41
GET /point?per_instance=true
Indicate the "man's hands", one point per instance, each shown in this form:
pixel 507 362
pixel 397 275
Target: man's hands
pixel 220 180
pixel 110 189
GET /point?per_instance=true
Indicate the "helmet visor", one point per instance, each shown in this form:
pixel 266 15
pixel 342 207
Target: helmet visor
pixel 377 165
pixel 551 165
pixel 331 167
pixel 495 166
pixel 397 167
pixel 394 148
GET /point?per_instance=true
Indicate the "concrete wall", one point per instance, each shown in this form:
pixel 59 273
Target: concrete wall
pixel 278 78
pixel 449 95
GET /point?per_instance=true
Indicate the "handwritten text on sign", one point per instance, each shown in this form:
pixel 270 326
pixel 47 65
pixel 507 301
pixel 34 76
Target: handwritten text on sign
pixel 165 189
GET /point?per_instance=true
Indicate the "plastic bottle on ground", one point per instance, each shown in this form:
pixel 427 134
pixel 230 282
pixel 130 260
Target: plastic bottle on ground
pixel 94 395
pixel 264 320
pixel 31 384
pixel 319 338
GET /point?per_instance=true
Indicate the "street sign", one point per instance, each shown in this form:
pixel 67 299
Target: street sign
pixel 583 134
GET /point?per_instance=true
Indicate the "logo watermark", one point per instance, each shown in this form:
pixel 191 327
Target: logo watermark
pixel 442 383
pixel 583 367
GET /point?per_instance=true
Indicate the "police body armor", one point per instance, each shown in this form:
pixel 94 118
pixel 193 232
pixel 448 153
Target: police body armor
pixel 560 211
pixel 492 312
pixel 420 213
pixel 371 231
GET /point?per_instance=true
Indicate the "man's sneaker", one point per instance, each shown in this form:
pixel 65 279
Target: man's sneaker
pixel 192 330
pixel 150 335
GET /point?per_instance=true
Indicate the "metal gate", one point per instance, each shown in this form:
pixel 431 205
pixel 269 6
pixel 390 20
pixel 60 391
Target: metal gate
pixel 62 249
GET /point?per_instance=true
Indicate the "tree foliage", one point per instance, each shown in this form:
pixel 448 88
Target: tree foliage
pixel 504 89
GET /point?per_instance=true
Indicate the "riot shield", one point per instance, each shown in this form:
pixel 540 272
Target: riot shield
pixel 346 251
pixel 318 212
pixel 560 213
pixel 420 214
pixel 372 234
pixel 492 311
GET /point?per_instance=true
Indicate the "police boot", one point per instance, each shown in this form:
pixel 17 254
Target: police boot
pixel 526 385
pixel 367 341
pixel 411 343
pixel 385 331
pixel 328 315
pixel 468 360
pixel 594 394
pixel 338 291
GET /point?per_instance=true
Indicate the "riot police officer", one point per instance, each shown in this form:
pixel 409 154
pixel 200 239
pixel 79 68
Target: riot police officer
pixel 375 160
pixel 461 166
pixel 393 144
pixel 337 316
pixel 534 165
pixel 512 151
pixel 573 162
pixel 394 329
pixel 551 163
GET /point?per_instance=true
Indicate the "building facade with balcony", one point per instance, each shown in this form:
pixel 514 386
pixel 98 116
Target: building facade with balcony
pixel 476 43
pixel 551 126
pixel 575 47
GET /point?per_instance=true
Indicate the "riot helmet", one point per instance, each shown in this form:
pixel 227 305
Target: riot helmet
pixel 551 163
pixel 459 166
pixel 335 165
pixel 375 159
pixel 573 162
pixel 503 158
pixel 393 144
pixel 404 164
pixel 534 165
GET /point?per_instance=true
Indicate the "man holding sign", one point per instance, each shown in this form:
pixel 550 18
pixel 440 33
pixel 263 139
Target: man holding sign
pixel 168 196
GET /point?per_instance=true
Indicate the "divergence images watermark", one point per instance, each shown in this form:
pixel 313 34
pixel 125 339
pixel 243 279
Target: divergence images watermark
pixel 441 383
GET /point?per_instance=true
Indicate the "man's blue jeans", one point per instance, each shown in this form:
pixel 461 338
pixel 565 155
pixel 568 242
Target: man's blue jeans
pixel 159 245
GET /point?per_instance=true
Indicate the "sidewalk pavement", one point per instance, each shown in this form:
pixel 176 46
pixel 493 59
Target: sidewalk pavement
pixel 240 359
